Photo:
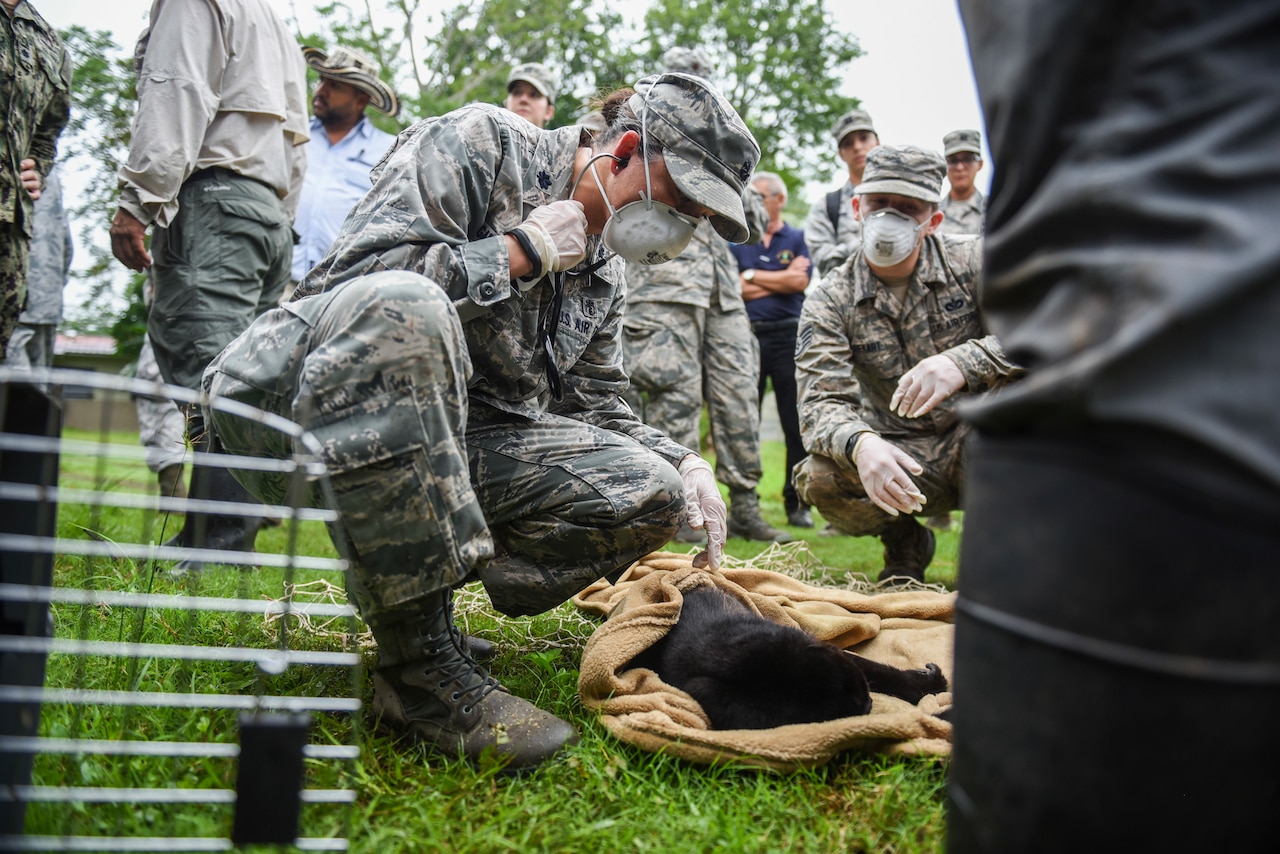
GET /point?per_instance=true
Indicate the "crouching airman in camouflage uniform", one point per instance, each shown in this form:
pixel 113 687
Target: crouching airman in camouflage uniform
pixel 887 345
pixel 458 355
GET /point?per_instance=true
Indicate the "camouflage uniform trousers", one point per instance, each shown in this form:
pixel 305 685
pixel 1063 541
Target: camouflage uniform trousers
pixel 15 248
pixel 677 355
pixel 434 490
pixel 161 425
pixel 31 346
pixel 222 262
pixel 837 492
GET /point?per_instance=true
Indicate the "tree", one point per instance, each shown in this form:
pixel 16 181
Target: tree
pixel 779 62
pixel 470 47
pixel 94 144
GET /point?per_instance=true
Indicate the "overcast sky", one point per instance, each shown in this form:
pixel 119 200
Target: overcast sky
pixel 914 77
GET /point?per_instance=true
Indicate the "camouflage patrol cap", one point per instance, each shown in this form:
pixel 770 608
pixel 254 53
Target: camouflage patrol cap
pixel 962 140
pixel 850 122
pixel 689 60
pixel 538 76
pixel 905 170
pixel 710 153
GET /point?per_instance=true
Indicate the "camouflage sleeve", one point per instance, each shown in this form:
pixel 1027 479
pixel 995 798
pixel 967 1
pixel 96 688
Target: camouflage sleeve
pixel 826 251
pixel 593 391
pixel 827 392
pixel 983 363
pixel 44 141
pixel 757 216
pixel 981 360
pixel 444 181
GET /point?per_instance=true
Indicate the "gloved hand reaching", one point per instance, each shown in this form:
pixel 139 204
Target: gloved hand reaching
pixel 882 468
pixel 704 506
pixel 926 385
pixel 557 234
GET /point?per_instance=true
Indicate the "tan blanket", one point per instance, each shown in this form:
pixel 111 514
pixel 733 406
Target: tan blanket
pixel 904 629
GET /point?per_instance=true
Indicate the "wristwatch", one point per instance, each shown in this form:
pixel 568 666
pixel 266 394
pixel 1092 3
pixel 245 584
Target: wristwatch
pixel 749 274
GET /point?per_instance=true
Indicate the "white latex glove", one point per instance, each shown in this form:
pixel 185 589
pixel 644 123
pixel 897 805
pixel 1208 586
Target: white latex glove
pixel 558 233
pixel 883 469
pixel 704 505
pixel 926 385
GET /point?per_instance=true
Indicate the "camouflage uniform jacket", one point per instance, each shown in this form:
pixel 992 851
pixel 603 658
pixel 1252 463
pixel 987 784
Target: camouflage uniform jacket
pixel 855 341
pixel 831 245
pixel 35 94
pixel 964 217
pixel 442 199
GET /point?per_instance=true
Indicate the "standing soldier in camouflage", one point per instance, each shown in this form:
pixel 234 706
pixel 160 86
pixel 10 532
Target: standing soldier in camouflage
pixel 832 232
pixel 964 205
pixel 686 338
pixel 458 356
pixel 35 96
pixel 31 345
pixel 531 92
pixel 886 347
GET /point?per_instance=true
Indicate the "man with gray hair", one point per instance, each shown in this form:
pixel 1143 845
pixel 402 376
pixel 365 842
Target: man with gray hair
pixel 832 232
pixel 686 339
pixel 888 344
pixel 531 92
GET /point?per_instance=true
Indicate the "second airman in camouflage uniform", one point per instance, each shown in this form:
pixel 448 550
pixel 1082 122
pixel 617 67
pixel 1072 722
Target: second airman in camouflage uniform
pixel 885 351
pixel 687 339
pixel 35 105
pixel 458 356
pixel 964 205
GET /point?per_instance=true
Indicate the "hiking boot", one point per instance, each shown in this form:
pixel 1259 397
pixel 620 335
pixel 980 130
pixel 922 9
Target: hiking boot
pixel 745 520
pixel 427 686
pixel 172 484
pixel 908 549
pixel 799 517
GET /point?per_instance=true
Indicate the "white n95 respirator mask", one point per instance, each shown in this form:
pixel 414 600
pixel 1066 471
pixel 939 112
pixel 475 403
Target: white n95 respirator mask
pixel 889 236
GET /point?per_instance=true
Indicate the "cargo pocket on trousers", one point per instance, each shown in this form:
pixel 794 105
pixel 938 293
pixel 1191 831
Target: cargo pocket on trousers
pixel 394 503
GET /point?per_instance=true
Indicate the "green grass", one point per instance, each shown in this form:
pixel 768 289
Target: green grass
pixel 601 796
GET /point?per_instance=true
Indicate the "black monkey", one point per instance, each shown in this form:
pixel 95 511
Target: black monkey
pixel 750 673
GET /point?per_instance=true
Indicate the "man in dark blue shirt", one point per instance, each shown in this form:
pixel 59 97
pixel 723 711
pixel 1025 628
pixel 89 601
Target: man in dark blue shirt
pixel 774 274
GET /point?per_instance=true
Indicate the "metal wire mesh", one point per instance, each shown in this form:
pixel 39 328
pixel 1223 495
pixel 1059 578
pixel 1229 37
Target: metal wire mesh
pixel 154 695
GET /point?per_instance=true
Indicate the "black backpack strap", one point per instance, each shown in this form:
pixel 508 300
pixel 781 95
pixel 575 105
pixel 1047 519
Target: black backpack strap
pixel 833 209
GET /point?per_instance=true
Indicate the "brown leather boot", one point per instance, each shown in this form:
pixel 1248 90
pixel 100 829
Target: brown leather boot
pixel 427 686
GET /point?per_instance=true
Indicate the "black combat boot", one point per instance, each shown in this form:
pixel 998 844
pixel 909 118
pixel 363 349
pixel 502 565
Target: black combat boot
pixel 220 531
pixel 908 549
pixel 799 516
pixel 427 686
pixel 745 520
